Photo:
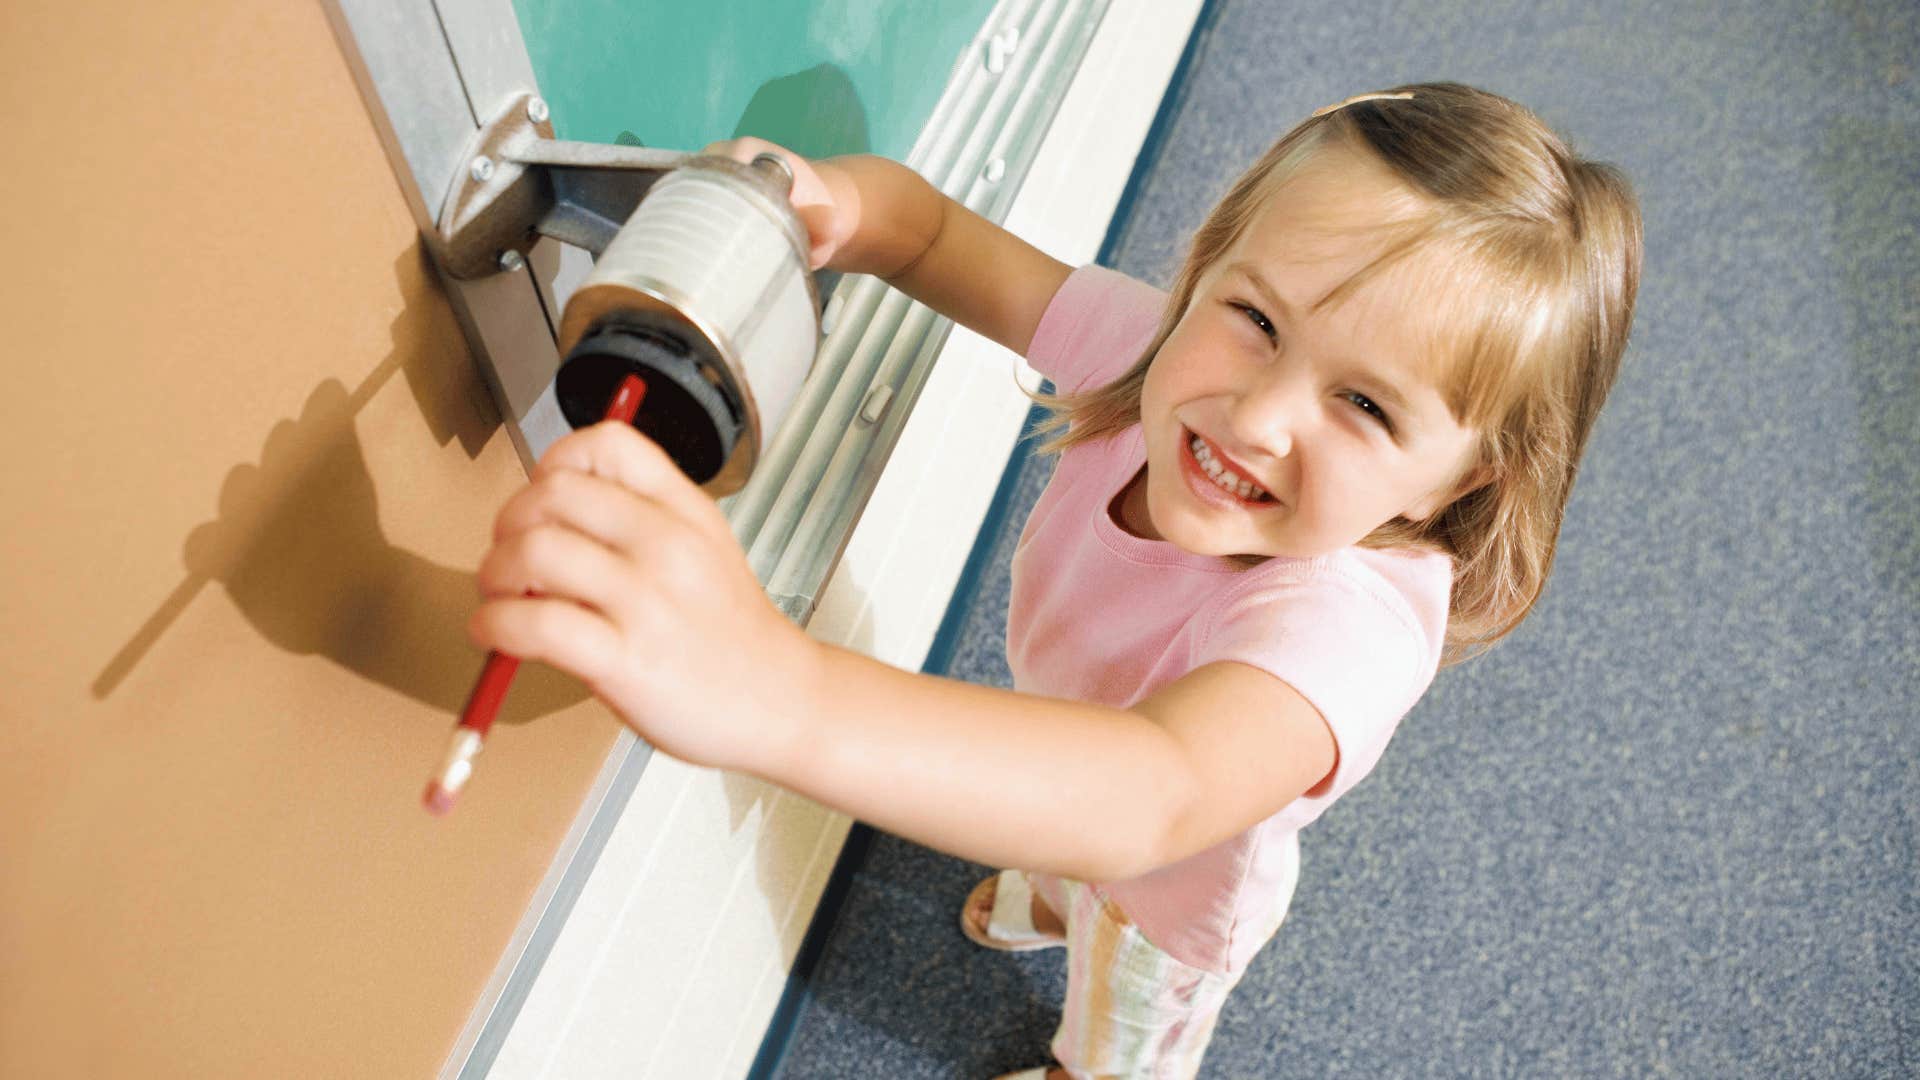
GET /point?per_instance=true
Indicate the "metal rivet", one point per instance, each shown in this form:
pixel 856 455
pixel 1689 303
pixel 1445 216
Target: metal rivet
pixel 481 170
pixel 511 260
pixel 996 58
pixel 996 169
pixel 537 111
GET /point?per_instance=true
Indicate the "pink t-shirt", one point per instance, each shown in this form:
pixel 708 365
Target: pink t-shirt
pixel 1100 615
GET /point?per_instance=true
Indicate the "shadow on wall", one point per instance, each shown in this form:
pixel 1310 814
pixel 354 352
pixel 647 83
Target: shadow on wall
pixel 815 113
pixel 315 575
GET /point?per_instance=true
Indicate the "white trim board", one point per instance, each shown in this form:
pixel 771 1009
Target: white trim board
pixel 676 952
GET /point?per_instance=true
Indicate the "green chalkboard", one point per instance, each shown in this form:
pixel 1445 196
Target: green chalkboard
pixel 822 78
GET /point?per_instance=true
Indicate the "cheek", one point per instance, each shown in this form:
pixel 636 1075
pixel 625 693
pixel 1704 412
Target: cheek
pixel 1152 398
pixel 1161 390
pixel 1188 366
pixel 1345 482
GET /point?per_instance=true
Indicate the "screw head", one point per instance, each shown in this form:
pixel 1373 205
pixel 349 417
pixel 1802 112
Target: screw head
pixel 481 170
pixel 537 111
pixel 511 260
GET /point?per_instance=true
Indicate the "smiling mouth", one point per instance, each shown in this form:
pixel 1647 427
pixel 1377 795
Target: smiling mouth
pixel 1222 475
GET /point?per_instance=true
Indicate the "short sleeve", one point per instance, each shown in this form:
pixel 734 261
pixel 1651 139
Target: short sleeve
pixel 1353 654
pixel 1094 329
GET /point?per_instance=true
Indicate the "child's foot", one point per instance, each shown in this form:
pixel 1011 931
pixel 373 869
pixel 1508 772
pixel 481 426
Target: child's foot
pixel 977 919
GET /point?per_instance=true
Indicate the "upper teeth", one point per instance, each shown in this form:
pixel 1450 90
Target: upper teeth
pixel 1222 475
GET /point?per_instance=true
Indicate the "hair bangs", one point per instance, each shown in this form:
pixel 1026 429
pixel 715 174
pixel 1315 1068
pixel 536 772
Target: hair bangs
pixel 1484 319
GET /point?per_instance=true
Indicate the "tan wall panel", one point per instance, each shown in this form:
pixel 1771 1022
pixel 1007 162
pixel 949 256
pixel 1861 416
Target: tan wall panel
pixel 250 472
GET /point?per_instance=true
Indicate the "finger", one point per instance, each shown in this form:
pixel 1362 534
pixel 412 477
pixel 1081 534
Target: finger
pixel 282 441
pixel 619 453
pixel 207 550
pixel 328 400
pixel 582 642
pixel 240 491
pixel 811 197
pixel 554 561
pixel 821 244
pixel 808 188
pixel 593 505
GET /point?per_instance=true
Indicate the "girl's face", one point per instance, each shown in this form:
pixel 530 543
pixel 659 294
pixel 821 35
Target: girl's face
pixel 1273 429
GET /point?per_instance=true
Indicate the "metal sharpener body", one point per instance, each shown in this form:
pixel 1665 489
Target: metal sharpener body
pixel 714 255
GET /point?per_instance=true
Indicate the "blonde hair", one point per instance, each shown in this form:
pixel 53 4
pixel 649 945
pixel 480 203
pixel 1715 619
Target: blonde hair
pixel 1544 250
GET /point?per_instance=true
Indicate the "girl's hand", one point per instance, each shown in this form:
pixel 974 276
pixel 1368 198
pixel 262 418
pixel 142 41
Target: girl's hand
pixel 823 196
pixel 642 592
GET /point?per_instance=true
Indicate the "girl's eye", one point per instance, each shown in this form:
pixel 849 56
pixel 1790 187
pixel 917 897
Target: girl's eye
pixel 1366 405
pixel 1254 316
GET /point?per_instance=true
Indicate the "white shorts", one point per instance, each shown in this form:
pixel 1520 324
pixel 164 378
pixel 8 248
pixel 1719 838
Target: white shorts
pixel 1132 1012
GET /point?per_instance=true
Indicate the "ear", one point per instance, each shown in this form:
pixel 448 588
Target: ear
pixel 1439 499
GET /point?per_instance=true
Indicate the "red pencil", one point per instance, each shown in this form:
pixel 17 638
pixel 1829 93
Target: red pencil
pixel 470 735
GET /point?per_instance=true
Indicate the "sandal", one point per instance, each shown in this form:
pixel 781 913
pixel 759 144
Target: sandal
pixel 1010 927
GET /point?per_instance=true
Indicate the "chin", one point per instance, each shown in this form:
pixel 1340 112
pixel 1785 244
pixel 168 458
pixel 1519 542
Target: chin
pixel 1195 538
pixel 1238 547
pixel 1180 528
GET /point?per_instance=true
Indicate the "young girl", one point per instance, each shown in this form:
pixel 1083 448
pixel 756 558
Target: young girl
pixel 1333 458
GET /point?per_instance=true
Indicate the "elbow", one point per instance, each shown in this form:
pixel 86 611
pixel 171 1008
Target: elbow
pixel 1110 852
pixel 1121 863
pixel 1132 859
pixel 1160 840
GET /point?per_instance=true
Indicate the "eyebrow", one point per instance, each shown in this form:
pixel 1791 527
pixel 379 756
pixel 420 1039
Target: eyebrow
pixel 1377 385
pixel 1252 273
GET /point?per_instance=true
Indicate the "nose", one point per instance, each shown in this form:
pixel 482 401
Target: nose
pixel 1271 414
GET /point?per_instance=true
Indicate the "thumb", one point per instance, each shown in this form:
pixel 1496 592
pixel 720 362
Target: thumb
pixel 205 552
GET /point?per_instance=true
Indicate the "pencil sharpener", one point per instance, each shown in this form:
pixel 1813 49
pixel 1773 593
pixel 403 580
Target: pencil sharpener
pixel 700 283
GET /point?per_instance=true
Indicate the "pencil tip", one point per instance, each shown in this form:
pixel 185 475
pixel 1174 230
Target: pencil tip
pixel 438 800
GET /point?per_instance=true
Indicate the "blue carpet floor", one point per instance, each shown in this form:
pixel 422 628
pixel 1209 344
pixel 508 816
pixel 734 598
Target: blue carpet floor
pixel 1666 828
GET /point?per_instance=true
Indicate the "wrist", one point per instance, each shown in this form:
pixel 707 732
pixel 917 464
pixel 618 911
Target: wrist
pixel 792 676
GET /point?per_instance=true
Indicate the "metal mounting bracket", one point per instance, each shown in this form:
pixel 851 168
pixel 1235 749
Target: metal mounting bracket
pixel 518 183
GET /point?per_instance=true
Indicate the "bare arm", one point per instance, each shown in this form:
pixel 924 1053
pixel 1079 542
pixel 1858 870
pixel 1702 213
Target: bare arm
pixel 941 253
pixel 1010 779
pixel 615 567
pixel 870 215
